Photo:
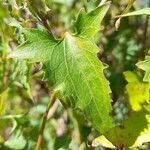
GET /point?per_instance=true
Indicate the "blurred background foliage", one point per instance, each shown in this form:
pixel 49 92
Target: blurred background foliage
pixel 23 94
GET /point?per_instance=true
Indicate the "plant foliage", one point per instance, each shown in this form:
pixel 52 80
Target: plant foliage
pixel 74 77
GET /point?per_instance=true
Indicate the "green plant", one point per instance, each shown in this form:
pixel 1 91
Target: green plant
pixel 67 62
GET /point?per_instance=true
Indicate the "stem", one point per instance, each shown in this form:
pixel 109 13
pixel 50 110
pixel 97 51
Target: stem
pixel 120 147
pixel 44 120
pixel 76 132
pixel 145 30
pixel 4 50
pixel 130 3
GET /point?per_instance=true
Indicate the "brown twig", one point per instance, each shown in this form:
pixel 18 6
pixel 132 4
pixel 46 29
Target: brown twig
pixel 44 120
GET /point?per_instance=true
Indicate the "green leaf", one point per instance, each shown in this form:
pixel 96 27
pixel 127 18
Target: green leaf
pixel 21 73
pixel 137 90
pixel 144 138
pixel 16 120
pixel 139 115
pixel 73 70
pixel 145 65
pixel 131 76
pixel 24 77
pixel 88 24
pixel 133 128
pixel 103 141
pixel 144 11
pixel 16 141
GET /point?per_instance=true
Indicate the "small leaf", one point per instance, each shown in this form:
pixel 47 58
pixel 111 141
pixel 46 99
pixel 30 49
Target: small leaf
pixel 102 141
pixel 21 73
pixel 144 11
pixel 144 138
pixel 16 141
pixel 145 65
pixel 24 77
pixel 130 3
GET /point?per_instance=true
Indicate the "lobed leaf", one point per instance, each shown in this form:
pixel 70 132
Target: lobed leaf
pixel 72 68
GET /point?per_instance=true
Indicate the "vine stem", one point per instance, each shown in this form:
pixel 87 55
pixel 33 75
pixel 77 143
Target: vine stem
pixel 44 120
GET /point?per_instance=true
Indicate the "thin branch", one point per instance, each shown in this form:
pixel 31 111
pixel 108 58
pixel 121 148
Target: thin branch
pixel 130 3
pixel 44 120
